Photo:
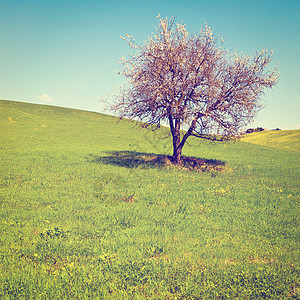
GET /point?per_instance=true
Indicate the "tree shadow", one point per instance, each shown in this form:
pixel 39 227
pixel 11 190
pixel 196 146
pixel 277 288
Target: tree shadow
pixel 133 160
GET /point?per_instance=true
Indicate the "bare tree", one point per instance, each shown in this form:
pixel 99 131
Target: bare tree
pixel 191 82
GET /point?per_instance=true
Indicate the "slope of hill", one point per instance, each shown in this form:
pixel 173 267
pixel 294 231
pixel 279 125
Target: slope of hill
pixel 279 139
pixel 90 210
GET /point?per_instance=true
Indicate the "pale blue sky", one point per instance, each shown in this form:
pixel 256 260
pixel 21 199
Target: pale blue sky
pixel 66 53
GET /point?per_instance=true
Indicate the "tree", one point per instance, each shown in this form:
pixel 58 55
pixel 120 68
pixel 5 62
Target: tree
pixel 193 84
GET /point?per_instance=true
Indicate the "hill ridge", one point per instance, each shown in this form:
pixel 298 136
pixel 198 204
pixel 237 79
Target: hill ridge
pixel 278 139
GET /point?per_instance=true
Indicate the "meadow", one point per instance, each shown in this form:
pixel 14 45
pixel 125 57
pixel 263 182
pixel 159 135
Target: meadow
pixel 91 209
pixel 282 139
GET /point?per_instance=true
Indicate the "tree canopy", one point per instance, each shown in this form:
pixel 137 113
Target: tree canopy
pixel 191 82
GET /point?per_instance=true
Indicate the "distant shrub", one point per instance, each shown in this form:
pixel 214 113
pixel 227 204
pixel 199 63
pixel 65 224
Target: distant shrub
pixel 257 129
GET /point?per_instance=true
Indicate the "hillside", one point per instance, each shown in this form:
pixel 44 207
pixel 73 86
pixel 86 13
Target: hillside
pixel 90 209
pixel 279 139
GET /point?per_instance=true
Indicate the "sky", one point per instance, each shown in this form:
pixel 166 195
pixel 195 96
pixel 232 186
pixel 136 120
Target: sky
pixel 67 53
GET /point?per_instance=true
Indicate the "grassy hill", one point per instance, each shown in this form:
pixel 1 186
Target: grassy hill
pixel 279 139
pixel 91 210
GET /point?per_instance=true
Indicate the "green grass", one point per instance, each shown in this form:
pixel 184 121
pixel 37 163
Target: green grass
pixel 279 139
pixel 91 210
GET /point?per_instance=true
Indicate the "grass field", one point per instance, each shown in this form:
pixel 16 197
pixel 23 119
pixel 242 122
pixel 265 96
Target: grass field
pixel 282 139
pixel 90 209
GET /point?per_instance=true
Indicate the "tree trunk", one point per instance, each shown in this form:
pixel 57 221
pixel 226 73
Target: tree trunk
pixel 177 144
pixel 177 149
pixel 177 155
